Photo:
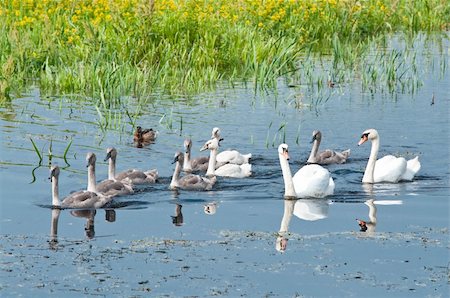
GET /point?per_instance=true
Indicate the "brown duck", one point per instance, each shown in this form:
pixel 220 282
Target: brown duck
pixel 144 135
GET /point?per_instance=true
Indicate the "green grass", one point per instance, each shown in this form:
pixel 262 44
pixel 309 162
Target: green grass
pixel 108 50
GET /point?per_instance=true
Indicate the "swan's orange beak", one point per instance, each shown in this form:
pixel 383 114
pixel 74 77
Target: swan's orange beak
pixel 363 139
pixel 286 155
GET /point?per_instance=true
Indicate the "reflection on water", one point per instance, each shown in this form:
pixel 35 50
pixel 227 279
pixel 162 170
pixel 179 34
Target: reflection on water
pixel 89 227
pixel 369 226
pixel 306 209
pixel 177 219
pixel 210 208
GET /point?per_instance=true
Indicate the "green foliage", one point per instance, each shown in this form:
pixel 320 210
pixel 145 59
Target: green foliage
pixel 107 50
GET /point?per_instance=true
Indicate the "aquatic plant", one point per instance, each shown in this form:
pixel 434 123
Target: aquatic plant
pixel 109 49
pixel 38 153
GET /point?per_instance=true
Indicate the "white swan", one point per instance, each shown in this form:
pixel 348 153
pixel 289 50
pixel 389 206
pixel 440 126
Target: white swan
pixel 81 199
pixel 325 157
pixel 131 176
pixel 226 170
pixel 112 186
pixel 195 164
pixel 311 181
pixel 190 181
pixel 388 168
pixel 229 156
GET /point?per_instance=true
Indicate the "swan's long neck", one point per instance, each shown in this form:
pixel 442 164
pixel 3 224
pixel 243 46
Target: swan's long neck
pixel 112 168
pixel 212 163
pixel 187 164
pixel 91 179
pixel 314 150
pixel 55 192
pixel 176 175
pixel 289 190
pixel 287 215
pixel 370 168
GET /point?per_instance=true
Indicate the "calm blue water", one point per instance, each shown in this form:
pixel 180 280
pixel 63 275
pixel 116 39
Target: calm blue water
pixel 232 252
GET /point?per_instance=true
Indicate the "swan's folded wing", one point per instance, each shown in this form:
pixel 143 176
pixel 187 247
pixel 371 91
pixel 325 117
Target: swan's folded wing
pixel 389 169
pixel 326 154
pixel 412 167
pixel 80 199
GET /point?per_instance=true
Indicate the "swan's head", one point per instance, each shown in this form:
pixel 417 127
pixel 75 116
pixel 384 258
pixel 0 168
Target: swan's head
pixel 368 135
pixel 111 152
pixel 138 129
pixel 90 159
pixel 211 145
pixel 215 133
pixel 178 157
pixel 187 145
pixel 316 135
pixel 283 151
pixel 54 172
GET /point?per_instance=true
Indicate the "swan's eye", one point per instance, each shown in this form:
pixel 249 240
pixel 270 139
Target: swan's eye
pixel 365 135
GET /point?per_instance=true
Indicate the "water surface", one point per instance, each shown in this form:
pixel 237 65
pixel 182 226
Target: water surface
pixel 145 246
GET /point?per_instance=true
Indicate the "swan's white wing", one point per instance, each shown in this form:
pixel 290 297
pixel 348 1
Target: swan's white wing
pixel 412 167
pixel 233 170
pixel 232 156
pixel 313 181
pixel 389 169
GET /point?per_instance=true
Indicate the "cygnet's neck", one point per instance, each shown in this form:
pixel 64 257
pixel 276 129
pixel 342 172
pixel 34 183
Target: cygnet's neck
pixel 315 148
pixel 187 164
pixel 176 174
pixel 91 179
pixel 112 168
pixel 55 192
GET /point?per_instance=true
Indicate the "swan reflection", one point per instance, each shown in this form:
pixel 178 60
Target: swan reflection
pixel 306 209
pixel 89 228
pixel 90 216
pixel 210 208
pixel 369 225
pixel 177 219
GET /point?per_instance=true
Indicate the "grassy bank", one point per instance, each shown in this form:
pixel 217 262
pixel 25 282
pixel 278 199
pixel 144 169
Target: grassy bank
pixel 109 49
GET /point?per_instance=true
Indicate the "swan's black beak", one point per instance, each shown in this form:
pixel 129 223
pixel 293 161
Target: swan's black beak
pixel 108 156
